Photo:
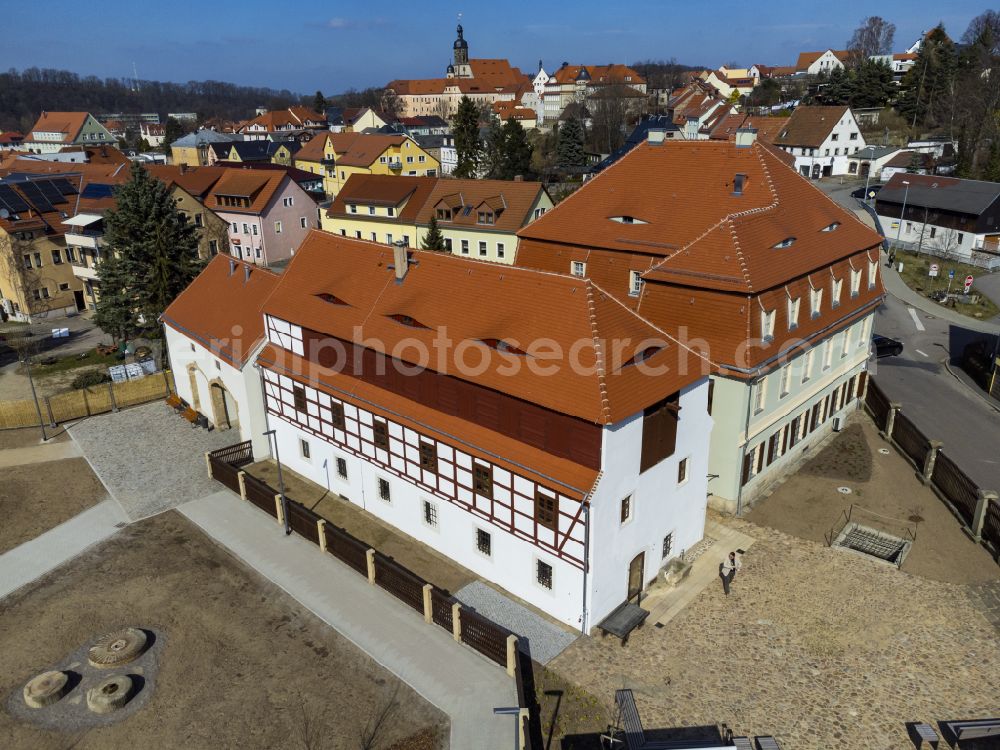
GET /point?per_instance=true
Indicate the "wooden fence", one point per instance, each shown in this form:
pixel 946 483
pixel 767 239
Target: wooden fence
pixel 438 607
pixel 910 439
pixel 959 490
pixel 977 509
pixel 85 402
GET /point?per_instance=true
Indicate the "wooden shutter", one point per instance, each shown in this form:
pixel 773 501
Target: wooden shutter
pixel 659 432
pixel 747 463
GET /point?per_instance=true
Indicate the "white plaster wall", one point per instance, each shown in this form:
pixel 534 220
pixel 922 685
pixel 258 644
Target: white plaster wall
pixel 512 563
pixel 661 506
pixel 243 385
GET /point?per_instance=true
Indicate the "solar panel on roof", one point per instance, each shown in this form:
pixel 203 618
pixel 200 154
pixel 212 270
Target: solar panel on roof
pixel 50 191
pixel 64 186
pixel 35 196
pixel 11 200
pixel 97 190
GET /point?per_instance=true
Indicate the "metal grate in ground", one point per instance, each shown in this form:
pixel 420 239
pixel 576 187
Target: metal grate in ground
pixel 874 543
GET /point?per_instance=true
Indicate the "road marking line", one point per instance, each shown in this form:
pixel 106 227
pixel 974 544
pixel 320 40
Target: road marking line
pixel 920 352
pixel 916 320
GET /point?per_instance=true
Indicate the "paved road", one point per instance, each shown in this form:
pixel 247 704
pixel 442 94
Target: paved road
pixel 943 406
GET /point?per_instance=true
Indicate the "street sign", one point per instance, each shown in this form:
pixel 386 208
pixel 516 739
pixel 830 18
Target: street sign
pixel 933 269
pixel 951 274
pixel 968 283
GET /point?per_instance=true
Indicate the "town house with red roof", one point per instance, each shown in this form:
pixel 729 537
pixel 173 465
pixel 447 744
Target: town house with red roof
pixel 55 130
pixel 559 453
pixel 724 246
pixel 268 213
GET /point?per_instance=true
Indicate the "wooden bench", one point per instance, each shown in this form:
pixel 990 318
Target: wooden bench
pixel 173 401
pixel 973 730
pixel 190 415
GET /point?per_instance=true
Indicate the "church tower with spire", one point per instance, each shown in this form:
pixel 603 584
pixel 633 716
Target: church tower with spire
pixel 460 67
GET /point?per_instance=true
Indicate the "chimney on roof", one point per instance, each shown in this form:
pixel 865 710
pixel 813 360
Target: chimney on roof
pixel 246 273
pixel 745 137
pixel 232 267
pixel 656 135
pixel 183 167
pixel 400 260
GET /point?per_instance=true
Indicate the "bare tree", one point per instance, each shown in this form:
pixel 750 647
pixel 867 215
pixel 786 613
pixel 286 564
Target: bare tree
pixel 873 37
pixel 984 28
pixel 372 734
pixel 24 280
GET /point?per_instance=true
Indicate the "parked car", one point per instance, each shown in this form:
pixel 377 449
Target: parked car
pixel 860 193
pixel 886 347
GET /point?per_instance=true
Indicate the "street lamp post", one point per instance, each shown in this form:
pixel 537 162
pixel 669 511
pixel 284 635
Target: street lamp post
pixel 516 713
pixel 281 482
pixel 902 215
pixel 34 396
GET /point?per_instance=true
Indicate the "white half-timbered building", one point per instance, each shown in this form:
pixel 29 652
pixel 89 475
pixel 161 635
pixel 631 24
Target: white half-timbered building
pixel 525 424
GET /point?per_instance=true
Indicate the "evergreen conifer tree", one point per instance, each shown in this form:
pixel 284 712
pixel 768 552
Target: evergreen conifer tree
pixel 152 253
pixel 433 240
pixel 465 127
pixel 517 151
pixel 569 148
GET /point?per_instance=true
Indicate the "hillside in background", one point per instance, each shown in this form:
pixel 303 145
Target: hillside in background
pixel 24 94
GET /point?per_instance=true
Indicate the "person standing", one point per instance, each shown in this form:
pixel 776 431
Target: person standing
pixel 727 571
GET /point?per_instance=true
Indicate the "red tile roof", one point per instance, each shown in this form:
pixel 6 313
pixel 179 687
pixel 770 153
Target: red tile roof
pixel 383 190
pixel 362 149
pixel 567 326
pixel 706 253
pixel 66 123
pixel 259 186
pixel 810 126
pixel 808 58
pixel 220 309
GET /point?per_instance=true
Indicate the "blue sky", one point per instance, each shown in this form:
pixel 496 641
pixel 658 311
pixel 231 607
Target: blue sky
pixel 337 45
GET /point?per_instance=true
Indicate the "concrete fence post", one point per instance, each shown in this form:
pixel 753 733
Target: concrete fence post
pixel 111 393
pixel 428 604
pixel 929 460
pixel 242 479
pixel 280 509
pixel 208 464
pixel 985 498
pixel 456 621
pixel 370 559
pixel 321 533
pixel 511 654
pixel 48 408
pixel 890 420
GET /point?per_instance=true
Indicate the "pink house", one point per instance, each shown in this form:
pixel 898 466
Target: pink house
pixel 268 213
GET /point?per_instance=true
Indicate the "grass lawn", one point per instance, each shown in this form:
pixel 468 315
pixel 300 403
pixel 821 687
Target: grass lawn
pixel 915 268
pixel 74 361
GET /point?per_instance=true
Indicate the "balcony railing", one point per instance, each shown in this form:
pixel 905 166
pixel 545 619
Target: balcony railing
pixel 395 165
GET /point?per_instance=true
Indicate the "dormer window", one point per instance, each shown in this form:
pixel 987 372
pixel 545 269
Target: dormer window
pixel 831 227
pixel 353 208
pixel 578 268
pixel 793 313
pixel 503 346
pixel 407 321
pixel 739 183
pixel 627 220
pixel 642 356
pixel 487 217
pixel 767 324
pixel 787 242
pixel 331 298
pixel 444 214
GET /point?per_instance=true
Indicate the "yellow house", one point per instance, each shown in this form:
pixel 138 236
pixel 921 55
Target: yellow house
pixel 477 218
pixel 337 156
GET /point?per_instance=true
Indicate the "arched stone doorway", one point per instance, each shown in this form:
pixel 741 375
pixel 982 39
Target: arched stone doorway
pixel 225 414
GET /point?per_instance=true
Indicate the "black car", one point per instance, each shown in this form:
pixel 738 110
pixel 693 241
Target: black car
pixel 886 347
pixel 862 193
